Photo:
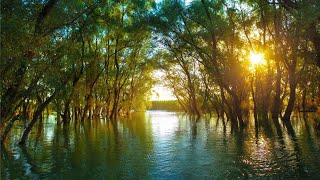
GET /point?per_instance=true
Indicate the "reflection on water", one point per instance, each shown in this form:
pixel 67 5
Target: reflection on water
pixel 164 145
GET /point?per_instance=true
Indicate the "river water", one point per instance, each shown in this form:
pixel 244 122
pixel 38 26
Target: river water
pixel 163 145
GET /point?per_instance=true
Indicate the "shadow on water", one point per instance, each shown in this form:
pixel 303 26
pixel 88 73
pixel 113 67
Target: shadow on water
pixel 297 149
pixel 30 165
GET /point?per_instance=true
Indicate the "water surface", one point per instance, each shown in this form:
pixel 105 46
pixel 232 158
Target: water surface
pixel 166 145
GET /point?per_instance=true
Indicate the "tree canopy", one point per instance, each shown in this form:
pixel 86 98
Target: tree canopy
pixel 95 58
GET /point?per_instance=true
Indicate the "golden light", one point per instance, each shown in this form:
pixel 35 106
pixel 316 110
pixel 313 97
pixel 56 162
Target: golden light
pixel 256 59
pixel 160 92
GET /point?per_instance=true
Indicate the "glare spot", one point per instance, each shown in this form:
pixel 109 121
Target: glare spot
pixel 256 58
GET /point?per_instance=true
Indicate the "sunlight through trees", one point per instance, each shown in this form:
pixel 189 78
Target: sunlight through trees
pixel 86 59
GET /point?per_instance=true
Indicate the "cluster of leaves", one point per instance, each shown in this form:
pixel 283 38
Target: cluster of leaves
pixel 78 58
pixel 206 59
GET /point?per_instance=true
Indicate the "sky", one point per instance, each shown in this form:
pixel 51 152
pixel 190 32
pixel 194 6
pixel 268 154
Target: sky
pixel 186 1
pixel 159 91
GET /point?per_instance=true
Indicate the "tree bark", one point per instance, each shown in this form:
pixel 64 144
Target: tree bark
pixel 66 113
pixel 222 110
pixel 276 98
pixel 255 114
pixel 36 115
pixel 8 129
pixel 304 96
pixel 116 88
pixel 292 97
pixel 315 38
pixel 276 101
pixel 43 14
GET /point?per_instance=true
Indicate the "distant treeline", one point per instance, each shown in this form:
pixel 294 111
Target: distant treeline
pixel 169 105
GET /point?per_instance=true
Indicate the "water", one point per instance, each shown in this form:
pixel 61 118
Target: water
pixel 163 145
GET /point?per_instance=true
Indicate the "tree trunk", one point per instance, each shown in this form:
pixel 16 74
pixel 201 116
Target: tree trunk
pixel 86 107
pixel 43 14
pixel 277 101
pixel 277 29
pixel 315 38
pixel 255 114
pixel 114 111
pixel 66 113
pixel 223 98
pixel 292 97
pixel 116 89
pixel 238 111
pixel 192 93
pixel 36 115
pixel 8 129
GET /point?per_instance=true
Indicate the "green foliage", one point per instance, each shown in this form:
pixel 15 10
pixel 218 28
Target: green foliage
pixel 97 57
pixel 171 105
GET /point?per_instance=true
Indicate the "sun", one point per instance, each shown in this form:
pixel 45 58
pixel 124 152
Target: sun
pixel 256 58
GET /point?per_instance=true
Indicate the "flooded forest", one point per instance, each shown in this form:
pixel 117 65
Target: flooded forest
pixel 78 81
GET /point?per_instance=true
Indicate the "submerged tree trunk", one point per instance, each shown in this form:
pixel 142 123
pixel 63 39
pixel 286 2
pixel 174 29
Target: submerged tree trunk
pixel 86 107
pixel 255 115
pixel 222 110
pixel 292 97
pixel 36 116
pixel 8 129
pixel 114 110
pixel 304 97
pixel 238 111
pixel 66 113
pixel 116 88
pixel 192 92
